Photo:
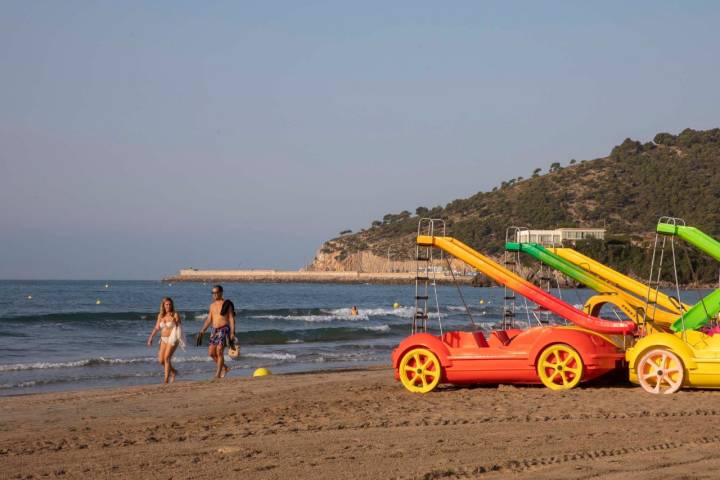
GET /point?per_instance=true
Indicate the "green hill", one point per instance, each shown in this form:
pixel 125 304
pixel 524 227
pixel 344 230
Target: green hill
pixel 627 191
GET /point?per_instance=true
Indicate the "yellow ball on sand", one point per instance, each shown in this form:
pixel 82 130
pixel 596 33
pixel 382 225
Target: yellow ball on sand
pixel 98 302
pixel 396 305
pixel 482 301
pixel 261 372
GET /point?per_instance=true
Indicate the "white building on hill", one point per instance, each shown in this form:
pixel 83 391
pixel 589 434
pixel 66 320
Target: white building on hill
pixel 560 235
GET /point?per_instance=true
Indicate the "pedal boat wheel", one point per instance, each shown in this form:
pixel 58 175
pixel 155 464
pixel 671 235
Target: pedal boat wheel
pixel 660 371
pixel 420 370
pixel 559 367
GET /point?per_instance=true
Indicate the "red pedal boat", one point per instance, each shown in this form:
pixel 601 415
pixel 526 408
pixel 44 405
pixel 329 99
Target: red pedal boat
pixel 559 357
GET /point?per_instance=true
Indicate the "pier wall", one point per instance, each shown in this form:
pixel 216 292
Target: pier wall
pixel 285 276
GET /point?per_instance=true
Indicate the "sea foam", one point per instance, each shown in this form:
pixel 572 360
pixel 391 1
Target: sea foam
pixel 271 356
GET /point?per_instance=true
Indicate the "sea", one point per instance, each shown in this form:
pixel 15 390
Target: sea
pixel 71 335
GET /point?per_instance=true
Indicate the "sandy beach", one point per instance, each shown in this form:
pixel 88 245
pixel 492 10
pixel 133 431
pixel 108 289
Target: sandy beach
pixel 358 424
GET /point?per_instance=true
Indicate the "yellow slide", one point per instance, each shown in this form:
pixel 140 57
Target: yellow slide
pixel 623 281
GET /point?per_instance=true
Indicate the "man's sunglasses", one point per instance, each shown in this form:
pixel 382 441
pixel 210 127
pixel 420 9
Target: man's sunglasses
pixel 215 293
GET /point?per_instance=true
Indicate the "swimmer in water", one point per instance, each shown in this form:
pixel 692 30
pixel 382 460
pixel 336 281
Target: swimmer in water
pixel 354 311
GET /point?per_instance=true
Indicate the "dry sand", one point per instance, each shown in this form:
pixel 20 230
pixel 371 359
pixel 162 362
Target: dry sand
pixel 358 424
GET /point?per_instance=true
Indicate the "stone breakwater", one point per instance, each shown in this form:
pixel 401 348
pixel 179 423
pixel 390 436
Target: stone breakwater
pixel 285 276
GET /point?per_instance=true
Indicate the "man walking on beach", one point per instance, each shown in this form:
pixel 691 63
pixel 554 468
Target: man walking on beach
pixel 222 318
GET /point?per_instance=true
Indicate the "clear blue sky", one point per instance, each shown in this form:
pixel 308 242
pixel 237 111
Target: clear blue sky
pixel 138 138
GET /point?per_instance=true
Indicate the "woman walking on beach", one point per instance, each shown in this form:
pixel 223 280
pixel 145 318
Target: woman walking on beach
pixel 168 324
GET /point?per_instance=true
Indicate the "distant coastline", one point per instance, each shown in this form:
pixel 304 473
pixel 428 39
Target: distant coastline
pixel 291 276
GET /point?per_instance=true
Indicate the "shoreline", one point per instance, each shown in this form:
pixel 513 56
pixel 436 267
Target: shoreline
pixel 358 423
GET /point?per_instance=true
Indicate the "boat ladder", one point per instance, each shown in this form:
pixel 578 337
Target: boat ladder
pixel 426 274
pixel 511 261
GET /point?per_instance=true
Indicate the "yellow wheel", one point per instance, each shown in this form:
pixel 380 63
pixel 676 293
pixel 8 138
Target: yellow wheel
pixel 660 371
pixel 420 370
pixel 560 367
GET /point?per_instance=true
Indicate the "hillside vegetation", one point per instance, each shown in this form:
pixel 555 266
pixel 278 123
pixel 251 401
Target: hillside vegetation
pixel 626 192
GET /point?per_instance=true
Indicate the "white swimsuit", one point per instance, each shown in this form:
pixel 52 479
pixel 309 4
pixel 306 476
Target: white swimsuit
pixel 176 335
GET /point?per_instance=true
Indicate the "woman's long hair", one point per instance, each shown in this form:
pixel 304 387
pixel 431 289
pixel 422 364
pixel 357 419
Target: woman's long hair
pixel 163 312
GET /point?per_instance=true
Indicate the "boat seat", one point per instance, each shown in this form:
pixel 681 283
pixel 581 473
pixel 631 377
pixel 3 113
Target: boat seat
pixel 502 336
pixel 480 339
pixel 465 339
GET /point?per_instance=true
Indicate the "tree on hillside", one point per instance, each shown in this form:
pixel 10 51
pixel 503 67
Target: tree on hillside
pixel 536 172
pixel 627 148
pixel 664 139
pixel 554 167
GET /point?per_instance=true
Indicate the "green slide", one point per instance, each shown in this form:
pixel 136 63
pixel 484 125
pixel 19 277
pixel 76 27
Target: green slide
pixel 632 306
pixel 541 253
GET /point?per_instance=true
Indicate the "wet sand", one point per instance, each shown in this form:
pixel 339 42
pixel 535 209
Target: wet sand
pixel 358 424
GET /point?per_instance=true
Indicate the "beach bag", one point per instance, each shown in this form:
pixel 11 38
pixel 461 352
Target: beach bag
pixel 234 350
